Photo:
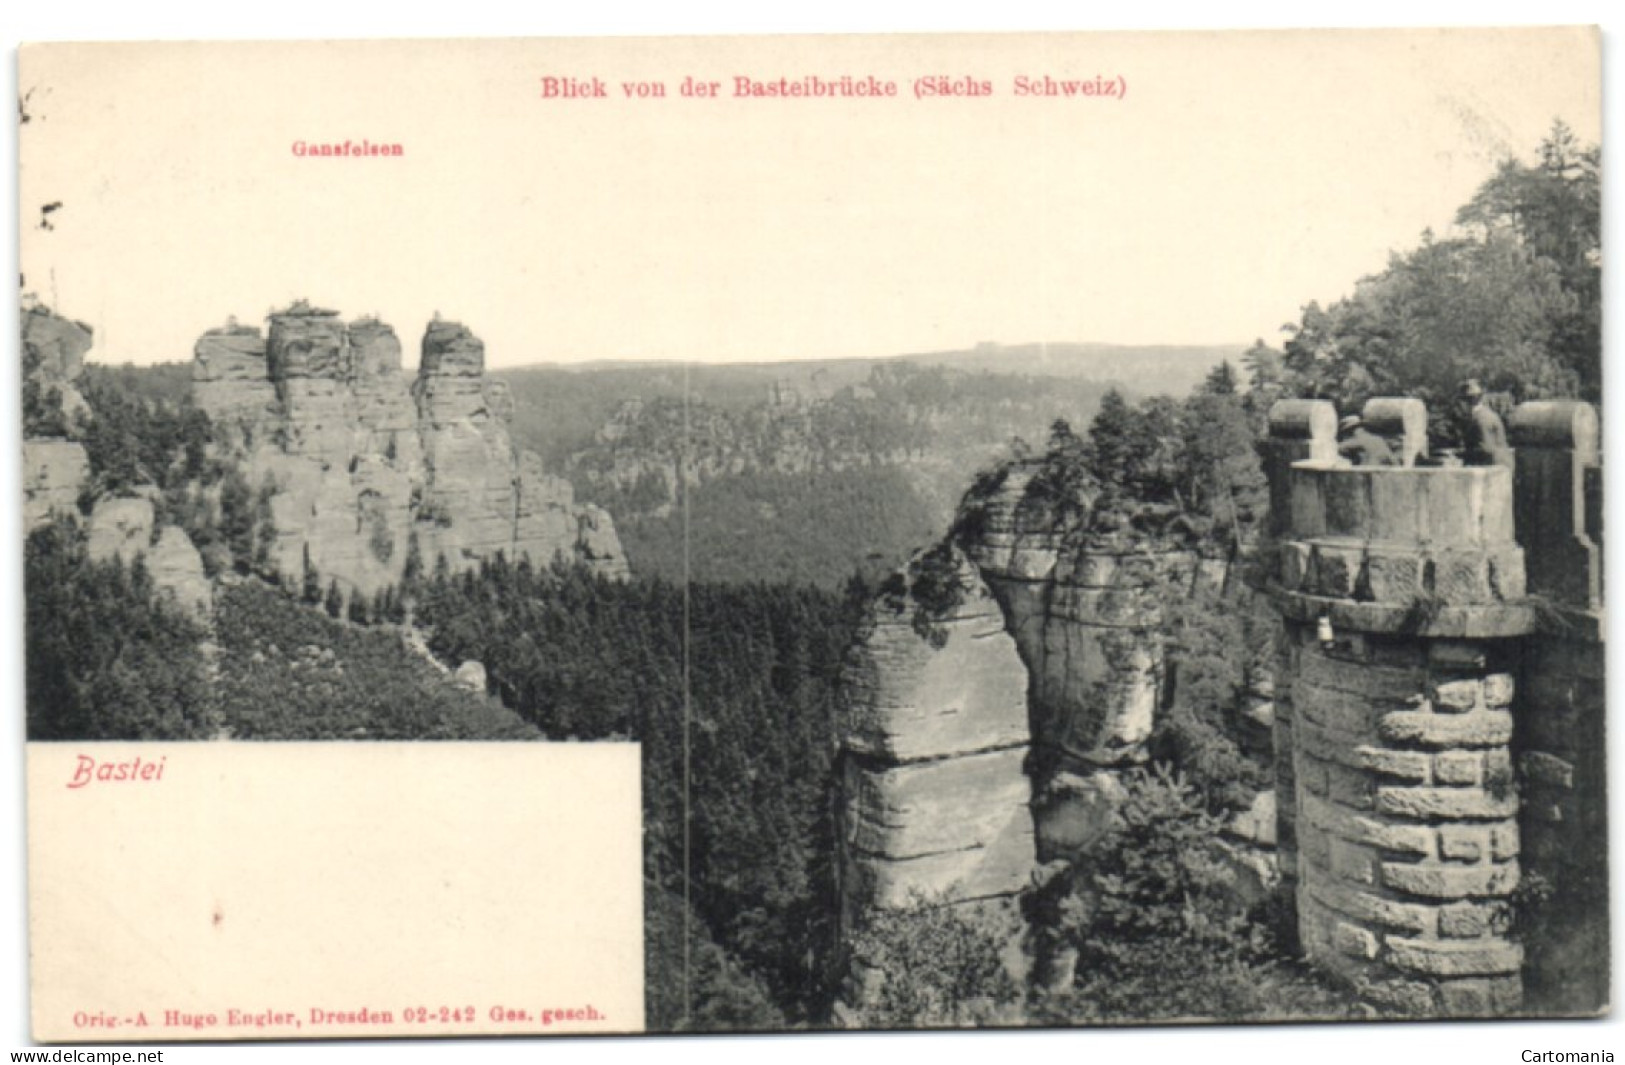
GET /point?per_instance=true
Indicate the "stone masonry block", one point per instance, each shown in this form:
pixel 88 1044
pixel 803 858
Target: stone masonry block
pixel 1350 787
pixel 1458 696
pixel 1391 578
pixel 1435 958
pixel 1455 804
pixel 1461 843
pixel 1459 767
pixel 1476 728
pixel 1451 882
pixel 1356 864
pixel 1310 773
pixel 1462 578
pixel 1504 842
pixel 1413 997
pixel 1409 766
pixel 1471 920
pixel 1336 570
pixel 1499 689
pixel 1398 838
pixel 1314 848
pixel 1295 561
pixel 1402 653
pixel 1412 766
pixel 1398 685
pixel 1508 577
pixel 1331 708
pixel 1391 914
pixel 1459 655
pixel 1481 997
pixel 1354 941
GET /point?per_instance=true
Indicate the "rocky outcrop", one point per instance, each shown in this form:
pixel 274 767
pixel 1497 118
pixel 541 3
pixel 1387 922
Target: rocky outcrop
pixel 229 378
pixel 360 467
pixel 56 469
pixel 471 676
pixel 55 472
pixel 53 352
pixel 1031 671
pixel 934 738
pixel 1084 611
pixel 123 529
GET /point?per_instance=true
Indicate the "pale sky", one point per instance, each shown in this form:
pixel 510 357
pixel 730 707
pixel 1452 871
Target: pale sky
pixel 1240 176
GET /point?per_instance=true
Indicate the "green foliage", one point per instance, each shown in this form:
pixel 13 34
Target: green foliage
pixel 310 586
pixel 108 658
pixel 1066 477
pixel 744 483
pixel 730 689
pixel 237 513
pixel 1158 467
pixel 813 528
pixel 1515 300
pixel 1158 929
pixel 133 440
pixel 159 384
pixel 696 986
pixel 1554 209
pixel 1212 647
pixel 288 672
pixel 934 583
pixel 936 966
pixel 380 541
pixel 264 530
pixel 1266 369
pixel 42 407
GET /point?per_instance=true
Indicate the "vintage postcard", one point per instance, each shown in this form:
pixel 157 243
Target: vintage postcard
pixel 776 534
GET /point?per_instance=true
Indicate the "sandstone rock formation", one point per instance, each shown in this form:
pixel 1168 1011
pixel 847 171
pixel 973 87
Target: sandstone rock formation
pixel 53 352
pixel 55 467
pixel 54 474
pixel 934 734
pixel 123 529
pixel 1084 609
pixel 471 675
pixel 361 467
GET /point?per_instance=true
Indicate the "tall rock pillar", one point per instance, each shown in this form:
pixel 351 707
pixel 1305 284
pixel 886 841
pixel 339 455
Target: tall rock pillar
pixel 1402 592
pixel 934 737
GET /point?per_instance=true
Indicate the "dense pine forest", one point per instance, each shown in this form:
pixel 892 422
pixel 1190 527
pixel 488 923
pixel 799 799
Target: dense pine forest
pixel 755 682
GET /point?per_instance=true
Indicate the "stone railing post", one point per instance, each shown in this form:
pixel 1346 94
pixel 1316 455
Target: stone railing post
pixel 1402 421
pixel 1300 430
pixel 1556 443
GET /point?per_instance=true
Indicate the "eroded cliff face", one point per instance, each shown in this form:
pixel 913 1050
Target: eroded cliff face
pixel 123 528
pixel 53 352
pixel 56 470
pixel 934 738
pixel 1031 672
pixel 356 462
pixel 1085 609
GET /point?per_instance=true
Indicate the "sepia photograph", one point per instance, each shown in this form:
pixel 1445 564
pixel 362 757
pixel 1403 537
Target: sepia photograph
pixel 813 533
